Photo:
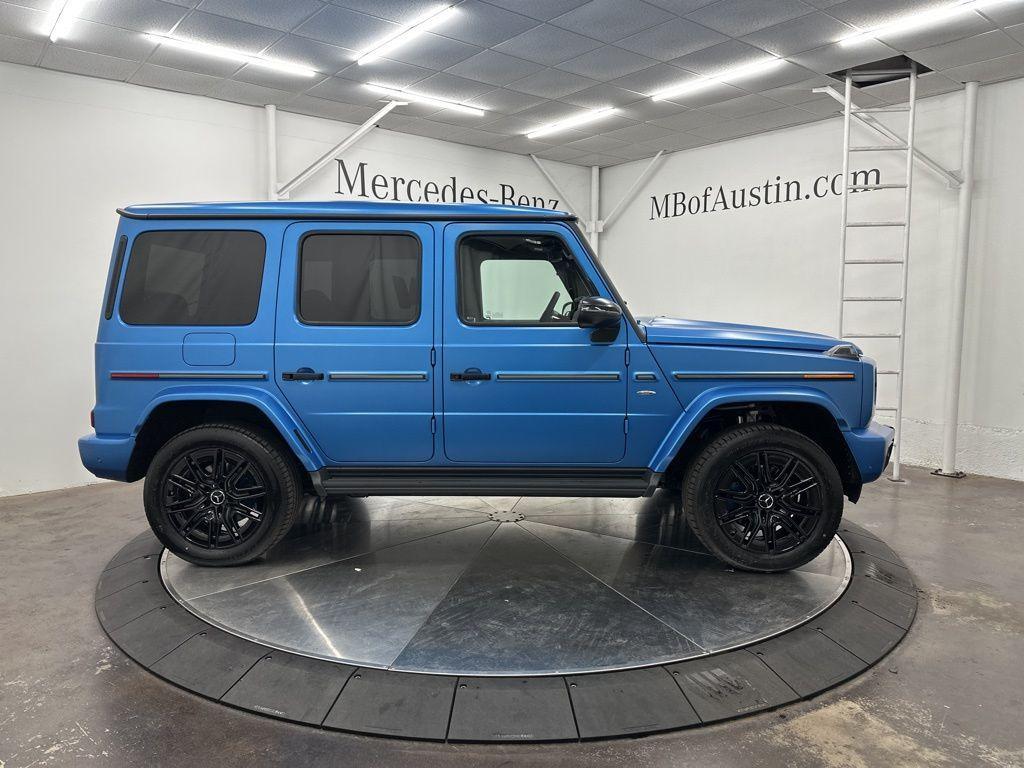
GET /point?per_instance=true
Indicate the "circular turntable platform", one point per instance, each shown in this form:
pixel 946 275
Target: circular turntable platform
pixel 492 619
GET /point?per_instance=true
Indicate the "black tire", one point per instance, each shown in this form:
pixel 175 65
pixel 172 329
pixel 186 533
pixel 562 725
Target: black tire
pixel 203 494
pixel 743 506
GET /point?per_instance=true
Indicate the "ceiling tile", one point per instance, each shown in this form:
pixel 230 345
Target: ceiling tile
pixel 265 13
pixel 174 80
pixel 84 63
pixel 451 87
pixel 597 144
pixel 606 63
pixel 429 128
pixel 964 25
pixel 510 125
pixel 231 33
pixel 833 57
pixel 742 106
pixel 741 17
pixel 539 9
pixel 522 145
pixel 801 34
pixel 872 13
pixel 688 120
pixel 137 15
pixel 347 91
pixel 248 93
pixel 328 59
pixel 782 74
pixel 548 112
pixel 401 11
pixel 454 117
pixel 719 58
pixel 18 21
pixel 1005 14
pixel 990 45
pixel 494 68
pixel 349 29
pixel 386 72
pixel 635 152
pixel 505 101
pixel 929 84
pixel 676 143
pixel 333 110
pixel 484 25
pixel 602 95
pixel 611 20
pixel 599 159
pixel 681 7
pixel 552 83
pixel 271 78
pixel 560 154
pixel 1016 32
pixel 821 104
pixel 545 44
pixel 477 138
pixel 991 71
pixel 800 91
pixel 672 39
pixel 187 61
pixel 433 51
pixel 638 132
pixel 19 50
pixel 714 93
pixel 652 79
pixel 109 41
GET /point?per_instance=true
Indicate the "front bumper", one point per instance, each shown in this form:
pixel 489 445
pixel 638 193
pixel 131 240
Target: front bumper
pixel 871 448
pixel 106 457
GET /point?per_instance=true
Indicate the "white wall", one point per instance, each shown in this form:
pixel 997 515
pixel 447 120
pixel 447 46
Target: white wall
pixel 778 264
pixel 72 149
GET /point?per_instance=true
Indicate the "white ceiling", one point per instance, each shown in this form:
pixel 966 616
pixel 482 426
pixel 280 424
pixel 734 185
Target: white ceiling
pixel 527 62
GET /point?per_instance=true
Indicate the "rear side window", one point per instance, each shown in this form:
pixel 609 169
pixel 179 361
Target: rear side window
pixel 207 277
pixel 360 279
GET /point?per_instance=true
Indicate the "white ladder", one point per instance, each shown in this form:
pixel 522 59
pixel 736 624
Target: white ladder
pixel 907 146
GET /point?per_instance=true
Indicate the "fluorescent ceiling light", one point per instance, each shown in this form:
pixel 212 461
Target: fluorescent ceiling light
pixel 220 52
pixel 727 76
pixel 407 32
pixel 571 122
pixel 399 95
pixel 63 16
pixel 918 20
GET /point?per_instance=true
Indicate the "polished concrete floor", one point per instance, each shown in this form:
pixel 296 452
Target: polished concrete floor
pixel 501 586
pixel 952 694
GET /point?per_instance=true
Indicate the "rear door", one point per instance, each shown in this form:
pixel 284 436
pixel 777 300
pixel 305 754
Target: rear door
pixel 523 384
pixel 355 335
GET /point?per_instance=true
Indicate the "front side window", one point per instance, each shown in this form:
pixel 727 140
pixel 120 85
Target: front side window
pixel 518 280
pixel 360 279
pixel 200 277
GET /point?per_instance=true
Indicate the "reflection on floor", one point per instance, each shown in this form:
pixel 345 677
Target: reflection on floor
pixel 468 585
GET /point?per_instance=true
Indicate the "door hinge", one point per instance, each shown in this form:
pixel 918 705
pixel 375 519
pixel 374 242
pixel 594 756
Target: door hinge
pixel 627 357
pixel 433 425
pixel 625 425
pixel 433 357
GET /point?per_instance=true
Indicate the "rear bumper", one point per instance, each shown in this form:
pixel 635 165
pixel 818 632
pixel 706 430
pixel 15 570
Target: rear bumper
pixel 106 457
pixel 871 448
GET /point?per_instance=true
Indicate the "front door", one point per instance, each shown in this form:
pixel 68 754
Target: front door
pixel 355 333
pixel 523 384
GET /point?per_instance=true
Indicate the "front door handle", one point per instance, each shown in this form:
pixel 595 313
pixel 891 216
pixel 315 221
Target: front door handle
pixel 471 376
pixel 304 375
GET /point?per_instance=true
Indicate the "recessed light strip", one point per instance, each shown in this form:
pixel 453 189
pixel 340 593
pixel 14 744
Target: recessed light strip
pixel 64 17
pixel 918 20
pixel 727 76
pixel 220 52
pixel 570 122
pixel 399 94
pixel 408 32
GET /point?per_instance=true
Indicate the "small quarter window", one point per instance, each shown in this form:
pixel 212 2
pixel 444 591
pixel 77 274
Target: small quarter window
pixel 518 280
pixel 360 279
pixel 200 277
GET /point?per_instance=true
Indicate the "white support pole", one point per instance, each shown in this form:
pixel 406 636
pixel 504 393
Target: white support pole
pixel 963 252
pixel 594 225
pixel 551 180
pixel 271 112
pixel 338 148
pixel 645 174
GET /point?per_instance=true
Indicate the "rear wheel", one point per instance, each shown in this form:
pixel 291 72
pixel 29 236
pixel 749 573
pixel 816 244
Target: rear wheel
pixel 221 494
pixel 762 497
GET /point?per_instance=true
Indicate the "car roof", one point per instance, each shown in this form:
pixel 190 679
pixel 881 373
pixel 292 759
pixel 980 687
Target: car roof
pixel 341 209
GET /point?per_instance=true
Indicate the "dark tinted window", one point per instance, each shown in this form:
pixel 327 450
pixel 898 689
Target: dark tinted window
pixel 193 278
pixel 351 279
pixel 518 280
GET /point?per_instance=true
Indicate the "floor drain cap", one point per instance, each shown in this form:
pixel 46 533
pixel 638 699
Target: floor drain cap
pixel 509 516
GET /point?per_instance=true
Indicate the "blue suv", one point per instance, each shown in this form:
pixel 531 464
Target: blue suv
pixel 250 353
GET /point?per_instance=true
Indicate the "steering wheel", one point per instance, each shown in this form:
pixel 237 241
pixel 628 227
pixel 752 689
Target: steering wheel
pixel 546 314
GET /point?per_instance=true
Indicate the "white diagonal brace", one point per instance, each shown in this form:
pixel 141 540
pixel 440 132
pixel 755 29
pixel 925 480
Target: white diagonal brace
pixel 551 180
pixel 950 177
pixel 338 148
pixel 645 174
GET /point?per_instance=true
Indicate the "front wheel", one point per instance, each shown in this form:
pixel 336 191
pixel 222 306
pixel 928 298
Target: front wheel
pixel 221 494
pixel 762 497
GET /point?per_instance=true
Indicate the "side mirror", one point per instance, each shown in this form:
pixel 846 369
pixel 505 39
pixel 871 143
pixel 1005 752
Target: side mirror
pixel 598 312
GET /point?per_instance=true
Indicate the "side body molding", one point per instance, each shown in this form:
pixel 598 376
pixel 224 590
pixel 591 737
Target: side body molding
pixel 713 398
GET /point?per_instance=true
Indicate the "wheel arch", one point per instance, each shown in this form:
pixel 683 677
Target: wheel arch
pixel 808 412
pixel 175 411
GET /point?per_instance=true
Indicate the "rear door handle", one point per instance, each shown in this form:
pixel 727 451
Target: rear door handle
pixel 302 376
pixel 471 376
